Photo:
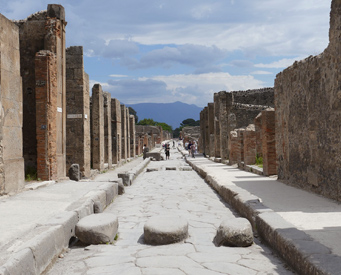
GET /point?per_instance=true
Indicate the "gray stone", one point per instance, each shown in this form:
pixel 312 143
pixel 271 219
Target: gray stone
pixel 121 190
pixel 127 178
pixel 160 230
pixel 97 228
pixel 152 169
pixel 171 168
pixel 236 233
pixel 98 208
pixel 74 173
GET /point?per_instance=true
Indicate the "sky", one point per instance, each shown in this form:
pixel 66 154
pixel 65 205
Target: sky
pixel 162 51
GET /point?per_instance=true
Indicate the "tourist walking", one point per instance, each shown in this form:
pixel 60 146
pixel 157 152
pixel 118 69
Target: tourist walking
pixel 193 148
pixel 167 150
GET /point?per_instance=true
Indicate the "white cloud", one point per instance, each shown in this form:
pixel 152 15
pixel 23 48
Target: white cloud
pixel 118 75
pixel 283 63
pixel 192 89
pixel 261 73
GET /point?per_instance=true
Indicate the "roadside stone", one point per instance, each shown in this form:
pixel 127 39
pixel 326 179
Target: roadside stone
pixel 97 228
pixel 160 230
pixel 186 168
pixel 121 190
pixel 98 207
pixel 74 173
pixel 154 155
pixel 235 233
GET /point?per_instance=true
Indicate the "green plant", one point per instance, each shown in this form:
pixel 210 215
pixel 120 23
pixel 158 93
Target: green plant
pixel 30 173
pixel 259 161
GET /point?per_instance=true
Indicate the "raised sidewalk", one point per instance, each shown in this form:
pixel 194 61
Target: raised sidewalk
pixel 37 225
pixel 304 228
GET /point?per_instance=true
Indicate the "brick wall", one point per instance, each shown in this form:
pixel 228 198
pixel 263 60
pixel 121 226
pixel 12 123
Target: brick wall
pixel 132 136
pixel 250 145
pixel 269 142
pixel 124 132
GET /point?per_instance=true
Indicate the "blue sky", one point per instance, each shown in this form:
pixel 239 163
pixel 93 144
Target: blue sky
pixel 169 50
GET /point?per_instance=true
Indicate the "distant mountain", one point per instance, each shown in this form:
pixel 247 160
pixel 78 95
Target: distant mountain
pixel 171 113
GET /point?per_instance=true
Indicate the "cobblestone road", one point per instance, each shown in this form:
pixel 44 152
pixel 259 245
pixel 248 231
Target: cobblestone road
pixel 165 192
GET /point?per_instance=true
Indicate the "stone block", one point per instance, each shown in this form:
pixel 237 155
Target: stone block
pixel 154 155
pixel 74 173
pixel 97 228
pixel 21 262
pixel 235 233
pixel 161 230
pixel 111 191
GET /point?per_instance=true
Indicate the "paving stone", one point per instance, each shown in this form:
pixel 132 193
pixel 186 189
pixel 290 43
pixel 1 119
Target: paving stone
pixel 161 230
pixel 234 232
pixel 97 228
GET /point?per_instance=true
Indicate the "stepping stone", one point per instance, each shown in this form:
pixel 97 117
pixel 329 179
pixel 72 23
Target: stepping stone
pixel 170 168
pixel 185 168
pixel 97 228
pixel 235 233
pixel 152 169
pixel 162 230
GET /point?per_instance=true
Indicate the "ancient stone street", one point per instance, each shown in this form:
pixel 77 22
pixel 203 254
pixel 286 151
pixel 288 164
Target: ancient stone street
pixel 165 191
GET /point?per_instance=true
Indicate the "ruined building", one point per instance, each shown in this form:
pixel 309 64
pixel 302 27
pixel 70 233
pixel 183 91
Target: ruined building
pixel 42 67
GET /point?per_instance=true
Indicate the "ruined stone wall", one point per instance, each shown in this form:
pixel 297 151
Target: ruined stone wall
pixel 249 145
pixel 11 154
pixel 202 140
pixel 107 129
pixel 128 132
pixel 116 130
pixel 97 129
pixel 308 115
pixel 43 31
pixel 216 126
pixel 264 96
pixel 78 113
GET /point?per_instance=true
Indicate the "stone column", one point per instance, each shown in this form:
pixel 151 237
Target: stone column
pixel 202 133
pixel 269 142
pixel 116 129
pixel 124 132
pixel 78 113
pixel 207 134
pixel 223 123
pixel 217 125
pixel 107 129
pixel 132 136
pixel 210 121
pixel 233 148
pixel 128 132
pixel 250 145
pixel 97 134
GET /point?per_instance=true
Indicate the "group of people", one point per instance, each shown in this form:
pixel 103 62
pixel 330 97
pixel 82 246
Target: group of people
pixel 191 148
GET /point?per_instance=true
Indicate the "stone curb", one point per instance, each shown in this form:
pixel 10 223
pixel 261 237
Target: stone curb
pixel 130 176
pixel 296 247
pixel 49 239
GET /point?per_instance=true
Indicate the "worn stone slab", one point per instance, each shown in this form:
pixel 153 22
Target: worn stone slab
pixel 235 233
pixel 97 228
pixel 152 169
pixel 171 168
pixel 160 230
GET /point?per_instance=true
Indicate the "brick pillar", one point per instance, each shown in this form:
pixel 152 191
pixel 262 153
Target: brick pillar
pixel 269 142
pixel 46 114
pixel 78 112
pixel 216 125
pixel 116 130
pixel 240 146
pixel 210 121
pixel 258 129
pixel 124 131
pixel 97 134
pixel 128 132
pixel 233 148
pixel 107 129
pixel 132 136
pixel 250 145
pixel 223 124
